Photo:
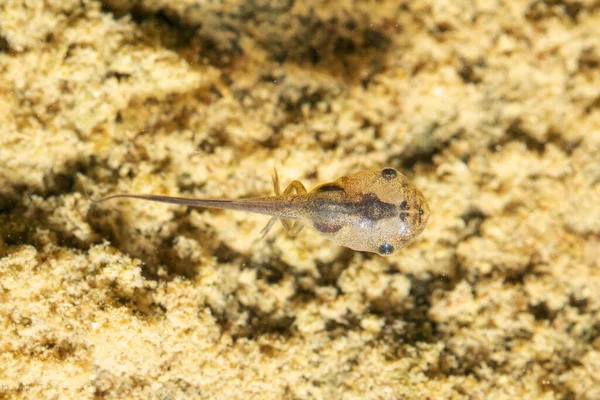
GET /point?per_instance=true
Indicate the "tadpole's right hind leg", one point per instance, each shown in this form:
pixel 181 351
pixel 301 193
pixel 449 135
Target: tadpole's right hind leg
pixel 267 228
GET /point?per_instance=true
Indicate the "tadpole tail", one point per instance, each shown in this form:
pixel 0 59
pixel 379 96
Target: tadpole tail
pixel 273 205
pixel 209 203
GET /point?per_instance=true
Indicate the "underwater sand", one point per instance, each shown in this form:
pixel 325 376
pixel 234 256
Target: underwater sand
pixel 491 108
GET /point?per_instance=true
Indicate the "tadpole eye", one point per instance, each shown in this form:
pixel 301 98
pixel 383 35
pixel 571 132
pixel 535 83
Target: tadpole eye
pixel 389 173
pixel 386 249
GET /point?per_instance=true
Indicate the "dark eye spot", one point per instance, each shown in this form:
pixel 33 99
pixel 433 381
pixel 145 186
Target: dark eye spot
pixel 389 174
pixel 404 205
pixel 386 249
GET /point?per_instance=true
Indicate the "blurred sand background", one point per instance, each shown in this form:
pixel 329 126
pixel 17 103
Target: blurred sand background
pixel 491 107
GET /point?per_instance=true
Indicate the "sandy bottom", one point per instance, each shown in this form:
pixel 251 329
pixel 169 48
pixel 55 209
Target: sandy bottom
pixel 491 108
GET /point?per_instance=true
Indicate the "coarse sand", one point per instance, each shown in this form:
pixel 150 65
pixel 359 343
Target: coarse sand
pixel 492 108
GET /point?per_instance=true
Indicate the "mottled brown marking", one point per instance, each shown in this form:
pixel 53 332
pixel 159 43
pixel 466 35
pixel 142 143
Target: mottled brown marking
pixel 372 208
pixel 327 227
pixel 331 187
pixel 403 214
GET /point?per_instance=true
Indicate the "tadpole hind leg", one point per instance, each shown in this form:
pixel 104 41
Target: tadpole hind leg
pixel 292 228
pixel 276 186
pixel 295 186
pixel 267 228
